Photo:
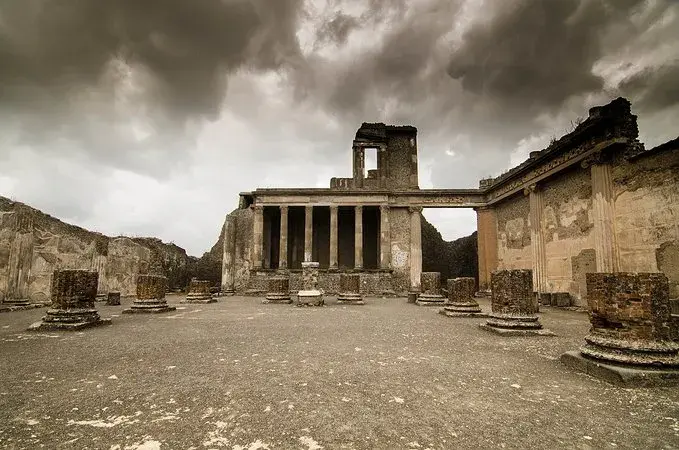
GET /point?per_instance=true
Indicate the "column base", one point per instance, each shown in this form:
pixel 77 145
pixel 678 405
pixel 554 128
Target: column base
pixel 277 299
pixel 462 310
pixel 631 352
pixel 412 297
pixel 310 298
pixel 430 300
pixel 100 298
pixel 621 375
pixel 16 302
pixel 199 298
pixel 350 299
pixel 149 307
pixel 69 320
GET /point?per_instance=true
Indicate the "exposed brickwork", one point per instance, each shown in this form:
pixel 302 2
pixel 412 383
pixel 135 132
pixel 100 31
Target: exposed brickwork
pixel 279 290
pixel 512 292
pixel 199 292
pixel 431 283
pixel 150 295
pixel 350 289
pixel 631 319
pixel 461 302
pixel 113 299
pixel 310 295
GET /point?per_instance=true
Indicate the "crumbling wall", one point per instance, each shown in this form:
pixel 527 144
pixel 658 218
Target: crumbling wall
pixel 244 247
pixel 513 225
pixel 399 221
pixel 568 230
pixel 647 212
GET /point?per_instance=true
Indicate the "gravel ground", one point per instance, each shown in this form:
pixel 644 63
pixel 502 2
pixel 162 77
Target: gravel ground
pixel 241 375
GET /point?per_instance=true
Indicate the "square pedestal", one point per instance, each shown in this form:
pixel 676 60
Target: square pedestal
pixel 516 331
pixel 310 298
pixel 60 326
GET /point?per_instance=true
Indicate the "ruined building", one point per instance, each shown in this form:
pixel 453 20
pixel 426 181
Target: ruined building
pixel 594 200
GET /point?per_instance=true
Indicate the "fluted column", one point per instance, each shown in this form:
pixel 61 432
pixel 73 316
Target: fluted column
pixel 283 246
pixel 603 206
pixel 537 239
pixel 358 238
pixel 308 232
pixel 415 248
pixel 385 238
pixel 333 237
pixel 258 236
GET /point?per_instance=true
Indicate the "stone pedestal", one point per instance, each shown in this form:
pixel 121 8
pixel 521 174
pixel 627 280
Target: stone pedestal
pixel 412 297
pixel 150 295
pixel 514 306
pixel 73 294
pixel 461 302
pixel 310 295
pixel 431 290
pixel 16 302
pixel 113 298
pixel 350 289
pixel 279 290
pixel 634 338
pixel 199 292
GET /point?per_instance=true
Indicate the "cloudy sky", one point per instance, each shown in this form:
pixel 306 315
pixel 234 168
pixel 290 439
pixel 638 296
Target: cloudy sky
pixel 149 117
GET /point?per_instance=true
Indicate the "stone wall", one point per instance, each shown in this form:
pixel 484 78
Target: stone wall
pixel 514 233
pixel 399 222
pixel 647 212
pixel 34 244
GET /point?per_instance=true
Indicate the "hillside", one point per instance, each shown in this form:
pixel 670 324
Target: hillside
pixel 456 258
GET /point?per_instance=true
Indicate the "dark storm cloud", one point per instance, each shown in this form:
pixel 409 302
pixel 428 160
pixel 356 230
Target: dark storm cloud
pixel 337 29
pixel 537 53
pixel 655 89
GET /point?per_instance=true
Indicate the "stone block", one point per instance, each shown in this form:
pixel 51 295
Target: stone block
pixel 113 298
pixel 199 292
pixel 430 295
pixel 73 293
pixel 279 290
pixel 561 299
pixel 461 302
pixel 514 305
pixel 150 295
pixel 350 289
pixel 310 295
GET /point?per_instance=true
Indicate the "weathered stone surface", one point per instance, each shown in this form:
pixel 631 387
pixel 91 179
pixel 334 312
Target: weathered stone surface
pixel 461 301
pixel 631 320
pixel 350 289
pixel 431 290
pixel 513 304
pixel 279 290
pixel 113 298
pixel 199 292
pixel 73 294
pixel 150 295
pixel 310 295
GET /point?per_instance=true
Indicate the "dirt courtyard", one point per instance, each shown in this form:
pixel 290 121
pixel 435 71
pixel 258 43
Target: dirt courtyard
pixel 238 374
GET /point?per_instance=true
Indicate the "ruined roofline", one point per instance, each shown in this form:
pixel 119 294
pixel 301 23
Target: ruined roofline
pixel 344 192
pixel 671 145
pixel 378 131
pixel 617 112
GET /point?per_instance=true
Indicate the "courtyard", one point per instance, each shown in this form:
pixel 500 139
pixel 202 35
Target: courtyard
pixel 238 374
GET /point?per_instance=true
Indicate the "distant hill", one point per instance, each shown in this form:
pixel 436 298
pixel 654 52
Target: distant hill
pixel 453 259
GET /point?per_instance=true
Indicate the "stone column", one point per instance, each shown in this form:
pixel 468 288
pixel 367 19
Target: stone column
pixel 461 302
pixel 634 338
pixel 350 289
pixel 279 290
pixel 431 290
pixel 98 264
pixel 415 248
pixel 150 295
pixel 283 247
pixel 537 239
pixel 603 212
pixel 486 226
pixel 20 260
pixel 199 292
pixel 382 165
pixel 513 305
pixel 358 238
pixel 258 236
pixel 73 293
pixel 385 238
pixel 359 166
pixel 308 233
pixel 310 295
pixel 333 237
pixel 113 298
pixel 229 256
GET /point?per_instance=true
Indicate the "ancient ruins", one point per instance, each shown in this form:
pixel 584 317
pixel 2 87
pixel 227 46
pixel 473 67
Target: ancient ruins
pixel 593 201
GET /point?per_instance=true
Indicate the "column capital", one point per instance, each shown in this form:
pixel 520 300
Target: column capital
pixel 333 207
pixel 414 209
pixel 384 208
pixel 359 207
pixel 257 208
pixel 283 208
pixel 530 189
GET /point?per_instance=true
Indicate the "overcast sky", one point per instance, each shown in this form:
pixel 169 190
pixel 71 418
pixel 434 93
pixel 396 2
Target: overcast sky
pixel 149 117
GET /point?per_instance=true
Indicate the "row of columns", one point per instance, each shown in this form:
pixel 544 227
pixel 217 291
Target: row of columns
pixel 385 237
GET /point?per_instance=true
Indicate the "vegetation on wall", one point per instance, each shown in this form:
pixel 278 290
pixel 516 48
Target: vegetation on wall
pixel 453 259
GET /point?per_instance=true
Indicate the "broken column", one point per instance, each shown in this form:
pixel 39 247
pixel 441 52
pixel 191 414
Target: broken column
pixel 199 292
pixel 461 302
pixel 150 295
pixel 350 289
pixel 430 283
pixel 309 295
pixel 279 290
pixel 634 337
pixel 514 306
pixel 113 298
pixel 72 293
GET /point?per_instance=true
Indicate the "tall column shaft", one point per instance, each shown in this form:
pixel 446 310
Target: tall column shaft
pixel 358 238
pixel 308 232
pixel 537 240
pixel 385 238
pixel 283 246
pixel 486 235
pixel 228 258
pixel 415 248
pixel 333 237
pixel 258 237
pixel 603 206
